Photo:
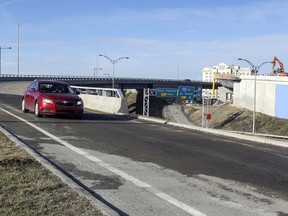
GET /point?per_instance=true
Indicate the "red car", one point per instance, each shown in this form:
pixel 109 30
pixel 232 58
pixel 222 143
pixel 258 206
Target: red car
pixel 52 98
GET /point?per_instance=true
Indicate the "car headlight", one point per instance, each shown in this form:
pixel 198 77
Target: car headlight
pixel 47 101
pixel 80 102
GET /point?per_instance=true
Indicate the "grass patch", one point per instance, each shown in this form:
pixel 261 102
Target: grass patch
pixel 28 188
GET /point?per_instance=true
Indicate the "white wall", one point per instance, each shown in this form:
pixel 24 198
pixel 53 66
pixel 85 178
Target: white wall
pixel 222 93
pixel 106 104
pixel 265 92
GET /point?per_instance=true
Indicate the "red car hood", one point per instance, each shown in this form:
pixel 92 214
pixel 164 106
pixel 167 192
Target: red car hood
pixel 59 96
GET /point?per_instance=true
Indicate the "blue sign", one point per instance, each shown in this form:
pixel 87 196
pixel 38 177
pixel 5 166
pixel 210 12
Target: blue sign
pixel 199 94
pixel 166 92
pixel 186 93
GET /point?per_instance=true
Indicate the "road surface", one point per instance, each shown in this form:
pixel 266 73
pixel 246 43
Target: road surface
pixel 144 168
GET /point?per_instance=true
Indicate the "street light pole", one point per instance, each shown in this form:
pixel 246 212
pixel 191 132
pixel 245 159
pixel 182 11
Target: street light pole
pixel 96 69
pixel 96 73
pixel 113 62
pixel 1 56
pixel 18 45
pixel 255 69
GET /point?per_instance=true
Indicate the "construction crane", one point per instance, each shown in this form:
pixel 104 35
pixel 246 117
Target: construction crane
pixel 279 71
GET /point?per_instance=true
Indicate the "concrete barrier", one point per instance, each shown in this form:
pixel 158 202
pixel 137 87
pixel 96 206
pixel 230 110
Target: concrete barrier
pixel 106 104
pixel 103 99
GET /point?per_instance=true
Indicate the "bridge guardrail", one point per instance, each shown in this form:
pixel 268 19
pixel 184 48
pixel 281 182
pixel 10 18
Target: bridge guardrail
pixel 105 82
pixel 103 99
pixel 108 92
pixel 68 77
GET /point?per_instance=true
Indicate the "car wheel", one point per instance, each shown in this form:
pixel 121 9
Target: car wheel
pixel 24 106
pixel 36 110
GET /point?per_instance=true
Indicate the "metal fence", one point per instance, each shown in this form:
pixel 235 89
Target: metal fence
pixel 107 92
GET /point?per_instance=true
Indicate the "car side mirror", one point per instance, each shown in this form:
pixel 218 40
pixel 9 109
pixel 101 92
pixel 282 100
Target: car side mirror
pixel 77 92
pixel 32 90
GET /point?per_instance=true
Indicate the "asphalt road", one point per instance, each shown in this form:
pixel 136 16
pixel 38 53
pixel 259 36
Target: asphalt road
pixel 144 168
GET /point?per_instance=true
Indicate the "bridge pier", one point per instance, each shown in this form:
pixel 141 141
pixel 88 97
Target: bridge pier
pixel 135 104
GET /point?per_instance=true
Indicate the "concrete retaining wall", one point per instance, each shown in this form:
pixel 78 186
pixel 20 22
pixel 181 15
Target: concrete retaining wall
pixel 281 106
pixel 105 104
pixel 224 94
pixel 271 95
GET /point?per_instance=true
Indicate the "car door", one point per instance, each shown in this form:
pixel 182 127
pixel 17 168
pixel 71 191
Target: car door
pixel 30 96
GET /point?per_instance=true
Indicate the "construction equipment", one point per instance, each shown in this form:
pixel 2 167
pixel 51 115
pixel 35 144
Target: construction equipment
pixel 279 71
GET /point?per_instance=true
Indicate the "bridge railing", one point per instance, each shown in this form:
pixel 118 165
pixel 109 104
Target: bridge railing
pixel 69 77
pixel 42 76
pixel 107 92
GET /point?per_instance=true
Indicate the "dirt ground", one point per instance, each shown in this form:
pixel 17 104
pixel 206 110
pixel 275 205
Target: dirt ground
pixel 224 116
pixel 229 117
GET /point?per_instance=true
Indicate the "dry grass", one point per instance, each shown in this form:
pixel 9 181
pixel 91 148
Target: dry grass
pixel 27 188
pixel 229 117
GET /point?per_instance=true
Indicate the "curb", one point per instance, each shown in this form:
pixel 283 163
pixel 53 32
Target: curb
pixel 79 188
pixel 218 132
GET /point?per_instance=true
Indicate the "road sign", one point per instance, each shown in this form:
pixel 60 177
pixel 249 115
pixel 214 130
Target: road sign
pixel 209 116
pixel 186 93
pixel 166 92
pixel 199 94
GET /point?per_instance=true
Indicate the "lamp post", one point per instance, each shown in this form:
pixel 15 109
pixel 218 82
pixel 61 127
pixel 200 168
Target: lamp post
pixel 18 45
pixel 96 73
pixel 113 62
pixel 1 57
pixel 255 69
pixel 96 69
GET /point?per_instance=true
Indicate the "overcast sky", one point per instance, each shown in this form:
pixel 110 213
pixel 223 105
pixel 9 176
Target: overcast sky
pixel 162 38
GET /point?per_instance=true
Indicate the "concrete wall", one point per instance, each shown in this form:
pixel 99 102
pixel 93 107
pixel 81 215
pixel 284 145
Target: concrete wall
pixel 281 105
pixel 106 104
pixel 223 94
pixel 271 94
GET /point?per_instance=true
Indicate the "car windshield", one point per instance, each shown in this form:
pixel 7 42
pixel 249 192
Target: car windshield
pixel 55 88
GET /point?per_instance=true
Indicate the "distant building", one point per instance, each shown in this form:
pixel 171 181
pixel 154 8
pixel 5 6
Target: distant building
pixel 222 68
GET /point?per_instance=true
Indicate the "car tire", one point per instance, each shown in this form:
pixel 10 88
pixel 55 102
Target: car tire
pixel 23 108
pixel 37 110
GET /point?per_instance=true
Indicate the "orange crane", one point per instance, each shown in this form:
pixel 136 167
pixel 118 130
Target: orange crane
pixel 279 71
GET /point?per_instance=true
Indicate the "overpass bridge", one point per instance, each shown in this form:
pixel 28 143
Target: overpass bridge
pixel 119 83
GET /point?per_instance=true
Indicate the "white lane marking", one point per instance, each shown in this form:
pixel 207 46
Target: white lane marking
pixel 109 167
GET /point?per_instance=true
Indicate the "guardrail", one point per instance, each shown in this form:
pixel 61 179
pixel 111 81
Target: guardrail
pixel 120 82
pixel 103 99
pixel 272 136
pixel 43 76
pixel 95 78
pixel 108 92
